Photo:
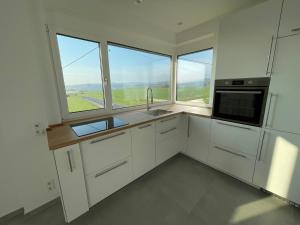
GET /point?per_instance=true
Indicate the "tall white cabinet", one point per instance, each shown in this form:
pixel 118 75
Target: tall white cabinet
pixel 290 22
pixel 71 181
pixel 246 41
pixel 284 107
pixel 278 164
pixel 278 161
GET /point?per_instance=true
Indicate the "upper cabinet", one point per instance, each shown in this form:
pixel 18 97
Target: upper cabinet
pixel 283 101
pixel 290 19
pixel 246 41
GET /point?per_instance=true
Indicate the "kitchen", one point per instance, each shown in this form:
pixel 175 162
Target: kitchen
pixel 121 119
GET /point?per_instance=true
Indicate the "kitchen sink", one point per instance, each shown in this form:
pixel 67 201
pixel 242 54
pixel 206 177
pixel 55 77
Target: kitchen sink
pixel 157 112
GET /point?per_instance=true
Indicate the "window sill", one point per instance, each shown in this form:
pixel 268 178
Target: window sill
pixel 193 104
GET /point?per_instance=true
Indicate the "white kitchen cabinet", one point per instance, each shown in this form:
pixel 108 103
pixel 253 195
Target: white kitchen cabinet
pixel 283 101
pixel 246 43
pixel 168 138
pixel 236 164
pixel 238 137
pixel 198 137
pixel 290 19
pixel 143 149
pixel 108 180
pixel 100 152
pixel 278 164
pixel 71 181
pixel 233 148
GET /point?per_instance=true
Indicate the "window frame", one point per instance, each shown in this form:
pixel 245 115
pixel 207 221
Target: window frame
pixel 212 80
pixel 105 74
pixel 143 106
pixel 61 90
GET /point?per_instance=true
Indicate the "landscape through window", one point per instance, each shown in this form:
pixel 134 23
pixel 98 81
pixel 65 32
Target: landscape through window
pixel 194 76
pixel 80 62
pixel 132 71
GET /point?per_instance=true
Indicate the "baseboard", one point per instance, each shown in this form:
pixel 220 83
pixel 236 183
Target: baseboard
pixel 20 212
pixel 11 215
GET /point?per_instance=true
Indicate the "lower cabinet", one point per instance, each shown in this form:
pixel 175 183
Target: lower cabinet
pixel 143 149
pixel 108 180
pixel 233 148
pixel 107 164
pixel 236 164
pixel 168 138
pixel 71 181
pixel 198 137
pixel 278 164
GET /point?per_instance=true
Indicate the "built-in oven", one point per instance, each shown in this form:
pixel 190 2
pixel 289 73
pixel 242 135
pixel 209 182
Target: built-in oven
pixel 241 100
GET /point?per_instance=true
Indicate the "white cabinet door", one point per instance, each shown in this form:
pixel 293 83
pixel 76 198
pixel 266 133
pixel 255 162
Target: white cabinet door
pixel 283 103
pixel 278 165
pixel 108 180
pixel 237 137
pixel 245 41
pixel 168 138
pixel 143 149
pixel 103 151
pixel 236 164
pixel 198 137
pixel 71 180
pixel 290 20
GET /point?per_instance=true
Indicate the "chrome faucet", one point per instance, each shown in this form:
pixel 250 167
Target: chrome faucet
pixel 149 89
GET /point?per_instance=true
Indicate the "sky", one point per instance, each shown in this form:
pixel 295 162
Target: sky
pixel 80 60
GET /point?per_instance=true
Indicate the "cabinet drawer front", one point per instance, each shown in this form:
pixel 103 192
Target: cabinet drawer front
pixel 167 133
pixel 106 150
pixel 240 138
pixel 167 147
pixel 108 180
pixel 232 163
pixel 143 149
pixel 167 123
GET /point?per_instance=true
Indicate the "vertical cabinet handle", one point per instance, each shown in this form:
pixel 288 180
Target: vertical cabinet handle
pixel 270 110
pixel 269 56
pixel 188 128
pixel 261 146
pixel 70 161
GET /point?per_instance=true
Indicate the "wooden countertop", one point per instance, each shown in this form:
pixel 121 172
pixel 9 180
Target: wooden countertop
pixel 62 135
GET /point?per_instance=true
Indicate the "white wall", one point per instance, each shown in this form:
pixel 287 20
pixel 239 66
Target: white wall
pixel 26 164
pixel 28 95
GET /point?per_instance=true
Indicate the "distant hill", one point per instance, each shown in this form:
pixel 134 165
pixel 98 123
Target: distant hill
pixel 83 87
pixel 97 87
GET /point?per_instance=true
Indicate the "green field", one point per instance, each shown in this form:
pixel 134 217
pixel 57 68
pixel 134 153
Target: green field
pixel 133 96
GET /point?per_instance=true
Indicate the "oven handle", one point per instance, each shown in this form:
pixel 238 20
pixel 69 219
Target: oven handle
pixel 241 92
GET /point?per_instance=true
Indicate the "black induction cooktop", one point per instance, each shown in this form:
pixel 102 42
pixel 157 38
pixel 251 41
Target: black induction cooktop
pixel 90 127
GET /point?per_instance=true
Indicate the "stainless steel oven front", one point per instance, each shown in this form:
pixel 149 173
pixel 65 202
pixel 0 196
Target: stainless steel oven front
pixel 241 100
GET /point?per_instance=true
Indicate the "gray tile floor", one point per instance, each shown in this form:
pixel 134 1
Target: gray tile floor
pixel 181 191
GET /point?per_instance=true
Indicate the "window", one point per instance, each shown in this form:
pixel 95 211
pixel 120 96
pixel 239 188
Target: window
pixel 194 76
pixel 132 71
pixel 80 63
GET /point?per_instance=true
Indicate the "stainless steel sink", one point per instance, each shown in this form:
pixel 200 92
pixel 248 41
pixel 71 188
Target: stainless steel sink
pixel 157 112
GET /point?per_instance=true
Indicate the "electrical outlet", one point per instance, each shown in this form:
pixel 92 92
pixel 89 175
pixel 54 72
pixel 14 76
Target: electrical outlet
pixel 51 185
pixel 39 129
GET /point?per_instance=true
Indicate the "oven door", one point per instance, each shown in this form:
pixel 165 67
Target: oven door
pixel 240 105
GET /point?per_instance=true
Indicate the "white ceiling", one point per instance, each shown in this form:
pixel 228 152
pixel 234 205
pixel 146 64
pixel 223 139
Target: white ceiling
pixel 152 14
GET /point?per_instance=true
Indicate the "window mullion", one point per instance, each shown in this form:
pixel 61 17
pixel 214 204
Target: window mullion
pixel 106 77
